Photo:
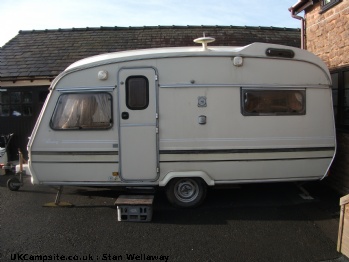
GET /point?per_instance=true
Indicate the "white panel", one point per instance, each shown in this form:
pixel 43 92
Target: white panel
pixel 74 172
pixel 138 156
pixel 244 171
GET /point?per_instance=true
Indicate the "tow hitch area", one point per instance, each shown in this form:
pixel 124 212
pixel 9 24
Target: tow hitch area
pixel 21 171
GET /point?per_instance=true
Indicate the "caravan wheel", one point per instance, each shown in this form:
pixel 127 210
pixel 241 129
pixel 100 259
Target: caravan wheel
pixel 186 192
pixel 13 184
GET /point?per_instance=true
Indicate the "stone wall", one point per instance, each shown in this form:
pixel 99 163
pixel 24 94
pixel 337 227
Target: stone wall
pixel 328 34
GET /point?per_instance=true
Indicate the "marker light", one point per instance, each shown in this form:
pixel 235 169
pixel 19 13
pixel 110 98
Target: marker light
pixel 103 75
pixel 238 61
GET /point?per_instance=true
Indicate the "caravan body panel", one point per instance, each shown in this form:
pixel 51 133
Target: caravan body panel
pixel 201 114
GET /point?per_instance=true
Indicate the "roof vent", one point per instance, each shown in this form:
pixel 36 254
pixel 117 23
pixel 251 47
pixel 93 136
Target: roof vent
pixel 204 41
pixel 285 53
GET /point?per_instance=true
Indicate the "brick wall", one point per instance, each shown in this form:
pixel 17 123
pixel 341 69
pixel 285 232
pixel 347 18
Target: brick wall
pixel 328 38
pixel 328 34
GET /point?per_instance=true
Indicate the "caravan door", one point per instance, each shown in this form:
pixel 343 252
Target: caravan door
pixel 138 124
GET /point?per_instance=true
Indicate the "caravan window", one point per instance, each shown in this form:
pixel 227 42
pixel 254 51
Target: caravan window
pixel 273 102
pixel 137 92
pixel 83 111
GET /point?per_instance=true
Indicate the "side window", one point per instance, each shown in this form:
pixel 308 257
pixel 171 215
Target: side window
pixel 4 104
pixel 273 102
pixel 16 103
pixel 83 111
pixel 27 100
pixel 137 92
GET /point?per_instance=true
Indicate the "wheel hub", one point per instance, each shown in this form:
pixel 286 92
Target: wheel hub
pixel 186 190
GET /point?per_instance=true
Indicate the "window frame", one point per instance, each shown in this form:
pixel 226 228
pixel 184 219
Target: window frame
pixel 24 106
pixel 244 112
pixel 127 92
pixel 326 6
pixel 111 121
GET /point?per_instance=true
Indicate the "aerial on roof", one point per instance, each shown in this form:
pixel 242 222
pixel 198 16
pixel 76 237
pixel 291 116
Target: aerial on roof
pixel 44 54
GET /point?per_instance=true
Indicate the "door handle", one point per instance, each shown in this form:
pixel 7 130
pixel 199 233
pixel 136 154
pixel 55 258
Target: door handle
pixel 125 115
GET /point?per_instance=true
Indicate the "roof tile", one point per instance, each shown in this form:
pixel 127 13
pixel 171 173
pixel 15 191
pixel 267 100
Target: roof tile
pixel 48 52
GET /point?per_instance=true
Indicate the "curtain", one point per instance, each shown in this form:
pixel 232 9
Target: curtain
pixel 82 111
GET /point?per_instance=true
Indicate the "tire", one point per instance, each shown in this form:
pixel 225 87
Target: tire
pixel 11 184
pixel 186 192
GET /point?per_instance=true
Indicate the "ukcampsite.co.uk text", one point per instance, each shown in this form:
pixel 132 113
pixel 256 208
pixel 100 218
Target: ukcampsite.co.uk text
pixel 103 257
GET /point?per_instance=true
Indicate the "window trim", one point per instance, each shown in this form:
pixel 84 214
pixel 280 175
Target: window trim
pixel 83 129
pixel 325 7
pixel 127 93
pixel 245 113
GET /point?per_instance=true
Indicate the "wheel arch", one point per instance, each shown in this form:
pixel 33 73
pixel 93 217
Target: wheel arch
pixel 188 174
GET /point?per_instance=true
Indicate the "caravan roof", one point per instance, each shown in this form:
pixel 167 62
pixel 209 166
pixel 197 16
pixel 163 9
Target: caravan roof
pixel 252 50
pixel 140 54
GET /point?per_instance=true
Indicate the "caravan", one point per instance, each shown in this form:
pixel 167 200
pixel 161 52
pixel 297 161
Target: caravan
pixel 186 118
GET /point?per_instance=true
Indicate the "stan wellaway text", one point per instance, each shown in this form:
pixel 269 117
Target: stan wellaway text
pixel 103 257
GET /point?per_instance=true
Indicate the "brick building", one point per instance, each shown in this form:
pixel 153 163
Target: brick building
pixel 32 59
pixel 326 34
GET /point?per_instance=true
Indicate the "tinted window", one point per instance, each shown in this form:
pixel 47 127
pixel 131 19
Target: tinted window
pixel 137 92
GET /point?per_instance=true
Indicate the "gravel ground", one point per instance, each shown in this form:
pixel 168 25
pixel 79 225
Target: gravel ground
pixel 260 222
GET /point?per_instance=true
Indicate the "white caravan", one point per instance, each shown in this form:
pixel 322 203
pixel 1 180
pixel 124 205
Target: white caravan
pixel 186 118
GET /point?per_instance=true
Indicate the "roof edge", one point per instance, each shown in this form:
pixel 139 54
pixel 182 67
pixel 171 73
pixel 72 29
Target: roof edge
pixel 301 5
pixel 105 28
pixel 25 78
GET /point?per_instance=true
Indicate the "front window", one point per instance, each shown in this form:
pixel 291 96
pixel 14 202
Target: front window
pixel 273 102
pixel 83 111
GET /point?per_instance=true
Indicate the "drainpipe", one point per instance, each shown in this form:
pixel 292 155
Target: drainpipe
pixel 291 9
